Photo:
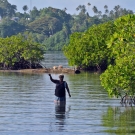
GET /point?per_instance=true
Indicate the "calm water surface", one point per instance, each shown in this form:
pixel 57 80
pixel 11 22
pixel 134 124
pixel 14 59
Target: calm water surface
pixel 27 107
pixel 55 58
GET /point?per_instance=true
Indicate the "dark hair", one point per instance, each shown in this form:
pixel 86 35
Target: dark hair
pixel 61 76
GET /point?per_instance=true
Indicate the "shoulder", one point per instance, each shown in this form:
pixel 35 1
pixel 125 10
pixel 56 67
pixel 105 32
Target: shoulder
pixel 65 83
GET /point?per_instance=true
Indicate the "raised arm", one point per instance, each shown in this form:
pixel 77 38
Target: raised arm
pixel 54 81
pixel 68 90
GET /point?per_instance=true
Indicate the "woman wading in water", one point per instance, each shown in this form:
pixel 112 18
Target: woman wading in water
pixel 60 93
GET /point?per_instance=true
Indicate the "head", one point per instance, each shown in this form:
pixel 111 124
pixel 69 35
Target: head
pixel 61 77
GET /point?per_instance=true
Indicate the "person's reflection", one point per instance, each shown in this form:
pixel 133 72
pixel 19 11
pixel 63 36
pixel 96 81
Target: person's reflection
pixel 61 114
pixel 60 109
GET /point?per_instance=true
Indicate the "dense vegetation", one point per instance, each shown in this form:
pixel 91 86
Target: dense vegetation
pixel 89 49
pixel 108 46
pixel 20 52
pixel 99 42
pixel 50 26
pixel 119 79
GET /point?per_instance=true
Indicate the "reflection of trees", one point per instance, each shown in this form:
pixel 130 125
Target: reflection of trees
pixel 119 120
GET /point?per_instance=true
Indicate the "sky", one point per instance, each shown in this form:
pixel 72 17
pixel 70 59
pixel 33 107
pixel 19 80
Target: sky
pixel 71 5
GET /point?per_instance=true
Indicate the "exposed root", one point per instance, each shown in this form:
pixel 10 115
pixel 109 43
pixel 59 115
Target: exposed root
pixel 126 99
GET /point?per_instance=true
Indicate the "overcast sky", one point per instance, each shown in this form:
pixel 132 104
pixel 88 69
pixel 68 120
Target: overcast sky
pixel 71 5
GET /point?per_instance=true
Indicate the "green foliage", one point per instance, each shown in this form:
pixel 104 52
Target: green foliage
pixel 90 48
pixel 72 51
pixel 17 48
pixel 56 41
pixel 109 45
pixel 120 78
pixel 25 8
pixel 61 15
pixel 9 28
pixel 34 13
pixel 6 9
pixel 44 26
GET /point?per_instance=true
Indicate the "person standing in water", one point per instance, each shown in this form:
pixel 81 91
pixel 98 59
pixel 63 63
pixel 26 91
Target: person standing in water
pixel 60 93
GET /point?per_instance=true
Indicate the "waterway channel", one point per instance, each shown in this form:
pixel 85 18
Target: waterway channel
pixel 27 107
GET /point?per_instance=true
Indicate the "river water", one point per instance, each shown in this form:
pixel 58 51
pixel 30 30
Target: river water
pixel 27 107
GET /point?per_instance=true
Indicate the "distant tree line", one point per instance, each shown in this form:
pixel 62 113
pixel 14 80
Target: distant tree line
pixel 50 26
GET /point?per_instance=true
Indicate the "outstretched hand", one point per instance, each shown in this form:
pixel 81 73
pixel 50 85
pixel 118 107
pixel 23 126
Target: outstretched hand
pixel 49 74
pixel 69 95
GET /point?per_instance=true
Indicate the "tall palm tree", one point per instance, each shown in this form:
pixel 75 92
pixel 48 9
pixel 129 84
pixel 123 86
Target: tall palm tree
pixel 35 8
pixel 89 4
pixel 111 14
pixel 87 14
pixel 95 10
pixel 116 8
pixel 83 6
pixel 13 9
pixel 65 9
pixel 77 9
pixel 25 8
pixel 80 6
pixel 83 9
pixel 106 11
pixel 105 7
pixel 6 9
pixel 99 13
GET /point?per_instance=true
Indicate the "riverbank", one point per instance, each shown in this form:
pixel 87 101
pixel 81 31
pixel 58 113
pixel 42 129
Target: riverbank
pixel 42 70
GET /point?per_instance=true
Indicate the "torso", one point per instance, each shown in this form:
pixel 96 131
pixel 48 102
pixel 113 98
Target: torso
pixel 60 89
